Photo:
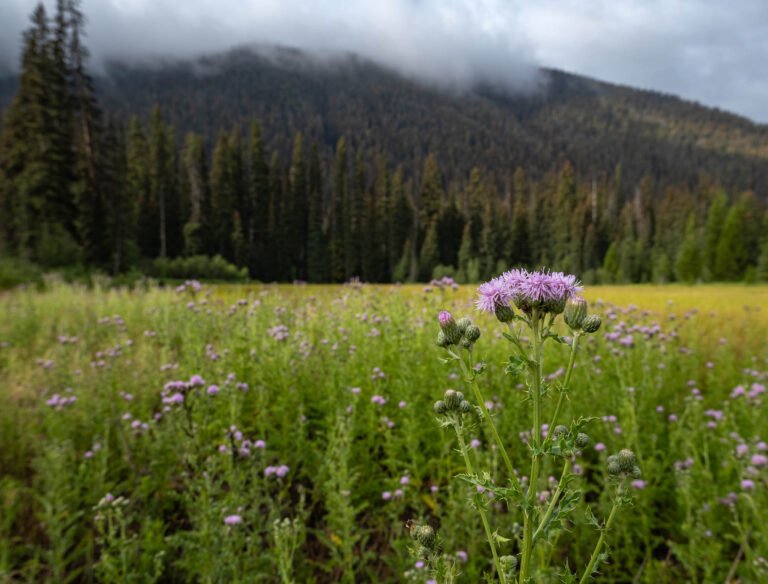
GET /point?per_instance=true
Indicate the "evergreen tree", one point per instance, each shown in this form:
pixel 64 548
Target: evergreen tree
pixel 339 214
pixel 731 254
pixel 259 203
pixel 317 257
pixel 718 210
pixel 196 230
pixel 430 252
pixel 223 195
pixel 431 197
pixel 466 254
pixel 295 224
pixel 688 263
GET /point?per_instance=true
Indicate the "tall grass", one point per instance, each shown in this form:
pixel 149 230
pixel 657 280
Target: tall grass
pixel 340 387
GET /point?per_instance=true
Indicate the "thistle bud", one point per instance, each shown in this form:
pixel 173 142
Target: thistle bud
pixel 472 333
pixel 636 472
pixel 452 399
pixel 442 340
pixel 582 440
pixel 425 535
pixel 508 564
pixel 560 430
pixel 614 468
pixel 627 460
pixel 463 323
pixel 575 312
pixel 504 312
pixel 591 323
pixel 449 327
pixel 440 407
pixel 465 407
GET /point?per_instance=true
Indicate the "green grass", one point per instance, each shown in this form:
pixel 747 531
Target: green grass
pixel 344 451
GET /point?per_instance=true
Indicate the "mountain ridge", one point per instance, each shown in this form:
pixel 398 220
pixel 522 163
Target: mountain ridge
pixel 595 124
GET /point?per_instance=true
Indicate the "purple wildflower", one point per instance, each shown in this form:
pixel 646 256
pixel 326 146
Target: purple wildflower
pixel 493 293
pixel 445 319
pixel 233 520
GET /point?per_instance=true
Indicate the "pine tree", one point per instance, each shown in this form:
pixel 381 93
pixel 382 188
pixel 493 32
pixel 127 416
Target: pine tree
pixel 120 216
pixel 355 235
pixel 565 204
pixel 140 192
pixel 401 223
pixel 431 198
pixel 475 206
pixel 317 257
pixel 296 215
pixel 718 210
pixel 259 203
pixel 688 263
pixel 450 228
pixel 611 271
pixel 277 267
pixel 520 245
pixel 379 223
pixel 731 254
pixel 222 197
pixel 466 254
pixel 196 229
pixel 430 252
pixel 339 214
pixel 25 172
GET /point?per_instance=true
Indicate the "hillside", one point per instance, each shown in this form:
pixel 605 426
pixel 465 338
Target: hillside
pixel 593 124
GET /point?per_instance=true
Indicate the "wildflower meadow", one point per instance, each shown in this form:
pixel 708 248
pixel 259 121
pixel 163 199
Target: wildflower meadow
pixel 531 430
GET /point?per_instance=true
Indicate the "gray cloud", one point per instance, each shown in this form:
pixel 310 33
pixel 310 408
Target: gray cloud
pixel 711 51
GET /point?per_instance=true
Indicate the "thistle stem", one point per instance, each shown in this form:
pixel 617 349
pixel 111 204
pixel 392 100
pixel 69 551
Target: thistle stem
pixel 481 510
pixel 566 383
pixel 555 498
pixel 536 443
pixel 599 546
pixel 470 379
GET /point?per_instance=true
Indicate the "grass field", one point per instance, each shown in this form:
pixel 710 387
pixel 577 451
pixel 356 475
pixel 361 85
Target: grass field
pixel 309 439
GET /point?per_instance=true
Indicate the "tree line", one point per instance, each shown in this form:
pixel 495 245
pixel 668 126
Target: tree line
pixel 79 187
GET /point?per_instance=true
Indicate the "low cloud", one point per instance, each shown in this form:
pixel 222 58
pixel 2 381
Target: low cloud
pixel 452 43
pixel 710 51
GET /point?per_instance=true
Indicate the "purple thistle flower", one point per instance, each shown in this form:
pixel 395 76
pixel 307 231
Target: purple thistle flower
pixel 493 293
pixel 538 288
pixel 445 319
pixel 541 290
pixel 233 520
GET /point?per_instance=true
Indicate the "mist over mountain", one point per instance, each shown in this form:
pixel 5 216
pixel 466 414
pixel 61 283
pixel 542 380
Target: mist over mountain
pixel 555 116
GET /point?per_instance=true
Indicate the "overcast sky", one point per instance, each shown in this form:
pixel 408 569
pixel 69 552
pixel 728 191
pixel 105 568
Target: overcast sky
pixel 711 51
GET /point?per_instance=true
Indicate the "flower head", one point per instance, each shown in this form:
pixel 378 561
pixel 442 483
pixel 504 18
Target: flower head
pixel 547 291
pixel 233 520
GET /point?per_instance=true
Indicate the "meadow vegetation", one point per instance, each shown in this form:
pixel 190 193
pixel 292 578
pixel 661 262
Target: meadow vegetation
pixel 288 434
